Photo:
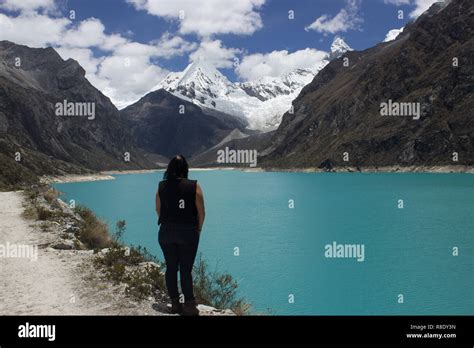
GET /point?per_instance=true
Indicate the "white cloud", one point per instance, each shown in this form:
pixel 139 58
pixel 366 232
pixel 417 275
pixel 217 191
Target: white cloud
pixel 420 5
pixel 111 42
pixel 347 18
pixel 214 53
pixel 32 29
pixel 207 17
pixel 125 79
pixel 124 70
pixel 169 45
pixel 278 63
pixel 392 34
pixel 89 32
pixel 29 6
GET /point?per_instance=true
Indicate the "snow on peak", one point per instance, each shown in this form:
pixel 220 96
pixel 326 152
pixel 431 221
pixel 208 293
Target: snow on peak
pixel 198 75
pixel 203 73
pixel 339 47
pixel 392 34
pixel 261 102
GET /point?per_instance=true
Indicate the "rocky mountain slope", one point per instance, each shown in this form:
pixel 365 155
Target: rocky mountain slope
pixel 37 137
pixel 160 128
pixel 338 120
pixel 258 142
pixel 261 102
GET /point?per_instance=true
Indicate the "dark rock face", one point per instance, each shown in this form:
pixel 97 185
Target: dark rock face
pixel 32 81
pixel 339 111
pixel 258 142
pixel 160 128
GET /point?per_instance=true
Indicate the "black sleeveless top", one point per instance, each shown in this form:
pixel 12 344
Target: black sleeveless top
pixel 178 202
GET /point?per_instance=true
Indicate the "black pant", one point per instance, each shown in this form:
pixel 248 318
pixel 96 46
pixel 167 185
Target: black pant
pixel 179 245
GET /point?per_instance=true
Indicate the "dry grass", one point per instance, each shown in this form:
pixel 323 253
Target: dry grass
pixel 94 233
pixel 30 212
pixel 51 195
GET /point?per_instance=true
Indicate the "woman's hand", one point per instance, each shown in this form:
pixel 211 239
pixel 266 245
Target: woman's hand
pixel 200 207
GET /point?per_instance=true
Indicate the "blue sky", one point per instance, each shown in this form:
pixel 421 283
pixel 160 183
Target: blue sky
pixel 128 46
pixel 278 32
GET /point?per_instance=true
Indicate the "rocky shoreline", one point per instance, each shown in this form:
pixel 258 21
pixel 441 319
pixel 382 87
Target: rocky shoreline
pixel 385 169
pixel 108 175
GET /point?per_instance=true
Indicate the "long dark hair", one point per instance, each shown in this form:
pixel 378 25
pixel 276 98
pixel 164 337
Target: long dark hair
pixel 177 168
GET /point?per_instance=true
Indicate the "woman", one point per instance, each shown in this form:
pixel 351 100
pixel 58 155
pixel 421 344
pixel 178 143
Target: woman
pixel 180 207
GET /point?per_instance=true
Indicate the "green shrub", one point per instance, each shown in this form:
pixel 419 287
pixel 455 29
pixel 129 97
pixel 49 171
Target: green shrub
pixel 113 256
pixel 32 192
pixel 44 214
pixel 116 273
pixel 30 212
pixel 216 289
pixel 45 227
pixel 141 254
pixel 120 227
pixel 143 283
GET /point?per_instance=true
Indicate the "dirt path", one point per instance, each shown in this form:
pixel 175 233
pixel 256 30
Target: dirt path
pixel 58 281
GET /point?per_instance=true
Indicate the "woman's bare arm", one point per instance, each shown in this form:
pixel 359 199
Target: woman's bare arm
pixel 200 207
pixel 158 203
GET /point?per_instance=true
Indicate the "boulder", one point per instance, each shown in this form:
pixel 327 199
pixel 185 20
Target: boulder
pixel 63 244
pixel 208 310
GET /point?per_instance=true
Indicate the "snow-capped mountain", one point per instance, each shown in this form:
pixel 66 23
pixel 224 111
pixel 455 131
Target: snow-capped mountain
pixel 338 48
pixel 261 103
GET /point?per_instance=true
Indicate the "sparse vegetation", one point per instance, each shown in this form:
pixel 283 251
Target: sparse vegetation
pixel 51 195
pixel 44 214
pixel 217 289
pixel 45 227
pixel 32 192
pixel 211 288
pixel 120 227
pixel 42 204
pixel 94 232
pixel 13 175
pixel 145 276
pixel 145 282
pixel 30 212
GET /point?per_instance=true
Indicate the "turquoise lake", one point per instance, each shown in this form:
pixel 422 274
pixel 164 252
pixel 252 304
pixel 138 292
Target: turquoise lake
pixel 408 251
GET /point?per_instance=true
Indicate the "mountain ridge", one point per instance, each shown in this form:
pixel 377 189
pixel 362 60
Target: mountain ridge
pixel 261 102
pixel 339 111
pixel 35 140
pixel 167 125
